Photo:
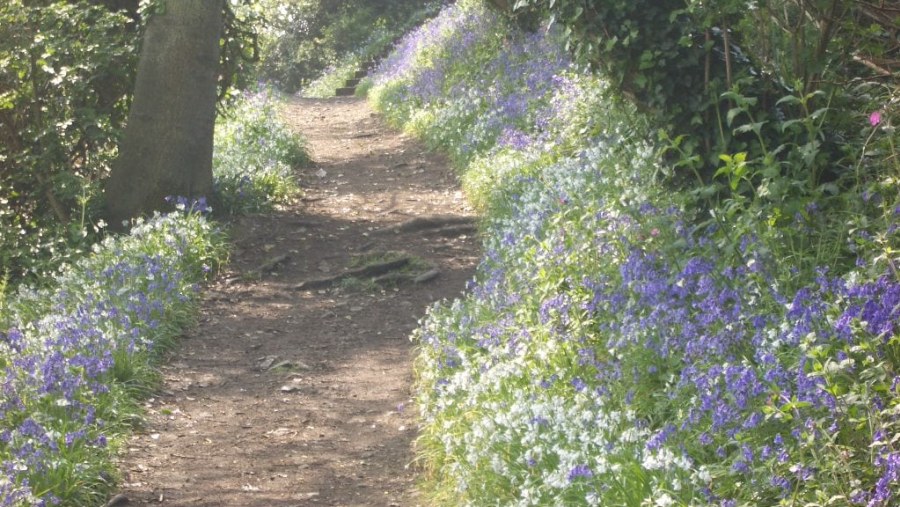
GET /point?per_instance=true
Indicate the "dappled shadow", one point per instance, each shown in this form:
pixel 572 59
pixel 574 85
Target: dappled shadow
pixel 333 425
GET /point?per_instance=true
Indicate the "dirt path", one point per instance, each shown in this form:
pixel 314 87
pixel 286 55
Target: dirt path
pixel 334 425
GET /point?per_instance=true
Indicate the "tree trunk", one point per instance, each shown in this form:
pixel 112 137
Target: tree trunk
pixel 168 140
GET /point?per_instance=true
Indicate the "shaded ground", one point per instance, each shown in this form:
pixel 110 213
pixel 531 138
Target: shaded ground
pixel 335 425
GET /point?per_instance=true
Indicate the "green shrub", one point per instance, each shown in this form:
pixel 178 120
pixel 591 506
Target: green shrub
pixel 785 64
pixel 66 73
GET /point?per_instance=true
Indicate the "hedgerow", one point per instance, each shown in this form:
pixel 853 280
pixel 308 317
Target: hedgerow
pixel 66 71
pixel 621 345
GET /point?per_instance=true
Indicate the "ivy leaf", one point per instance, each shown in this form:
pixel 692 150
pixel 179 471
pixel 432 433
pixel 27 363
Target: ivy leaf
pixel 640 80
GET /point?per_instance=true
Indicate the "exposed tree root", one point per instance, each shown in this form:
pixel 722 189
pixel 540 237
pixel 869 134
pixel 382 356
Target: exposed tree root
pixel 267 266
pixel 453 230
pixel 429 223
pixel 371 270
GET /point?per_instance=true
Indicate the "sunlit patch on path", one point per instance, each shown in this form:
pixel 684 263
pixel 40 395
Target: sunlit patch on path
pixel 285 396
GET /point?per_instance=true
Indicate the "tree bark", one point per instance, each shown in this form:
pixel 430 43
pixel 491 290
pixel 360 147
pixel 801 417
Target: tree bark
pixel 168 140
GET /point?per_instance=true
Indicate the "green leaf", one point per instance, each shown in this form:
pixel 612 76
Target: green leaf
pixel 809 151
pixel 578 12
pixel 730 95
pixel 732 113
pixel 788 124
pixel 794 405
pixel 771 171
pixel 750 127
pixel 788 99
pixel 818 113
pixel 611 43
pixel 810 96
pixel 640 80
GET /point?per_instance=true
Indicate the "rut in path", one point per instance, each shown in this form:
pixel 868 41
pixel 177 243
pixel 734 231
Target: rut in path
pixel 334 425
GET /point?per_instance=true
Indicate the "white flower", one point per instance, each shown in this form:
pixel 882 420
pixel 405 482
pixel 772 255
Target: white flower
pixel 664 501
pixel 702 477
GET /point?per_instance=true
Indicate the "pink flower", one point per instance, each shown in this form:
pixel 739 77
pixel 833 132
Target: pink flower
pixel 875 118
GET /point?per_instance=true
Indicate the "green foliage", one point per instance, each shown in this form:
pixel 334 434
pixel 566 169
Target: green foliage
pixel 77 355
pixel 65 76
pixel 335 75
pixel 655 52
pixel 300 39
pixel 367 55
pixel 762 108
pixel 255 155
pixel 682 61
pixel 730 340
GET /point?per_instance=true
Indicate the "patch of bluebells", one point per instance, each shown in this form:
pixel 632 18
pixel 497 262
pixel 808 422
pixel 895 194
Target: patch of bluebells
pixel 609 352
pixel 254 155
pixel 424 77
pixel 182 203
pixel 71 349
pixel 465 66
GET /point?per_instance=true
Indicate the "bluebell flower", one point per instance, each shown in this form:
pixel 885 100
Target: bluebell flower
pixel 580 471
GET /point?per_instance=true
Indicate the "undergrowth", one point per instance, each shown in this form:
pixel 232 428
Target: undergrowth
pixel 255 155
pixel 380 40
pixel 631 342
pixel 78 348
pixel 75 354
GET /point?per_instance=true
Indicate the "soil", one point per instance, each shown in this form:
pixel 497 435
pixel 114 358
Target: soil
pixel 288 397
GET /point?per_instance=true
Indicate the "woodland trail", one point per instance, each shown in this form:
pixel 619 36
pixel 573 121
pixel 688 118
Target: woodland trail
pixel 287 397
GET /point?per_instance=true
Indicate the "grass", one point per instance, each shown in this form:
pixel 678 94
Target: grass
pixel 355 284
